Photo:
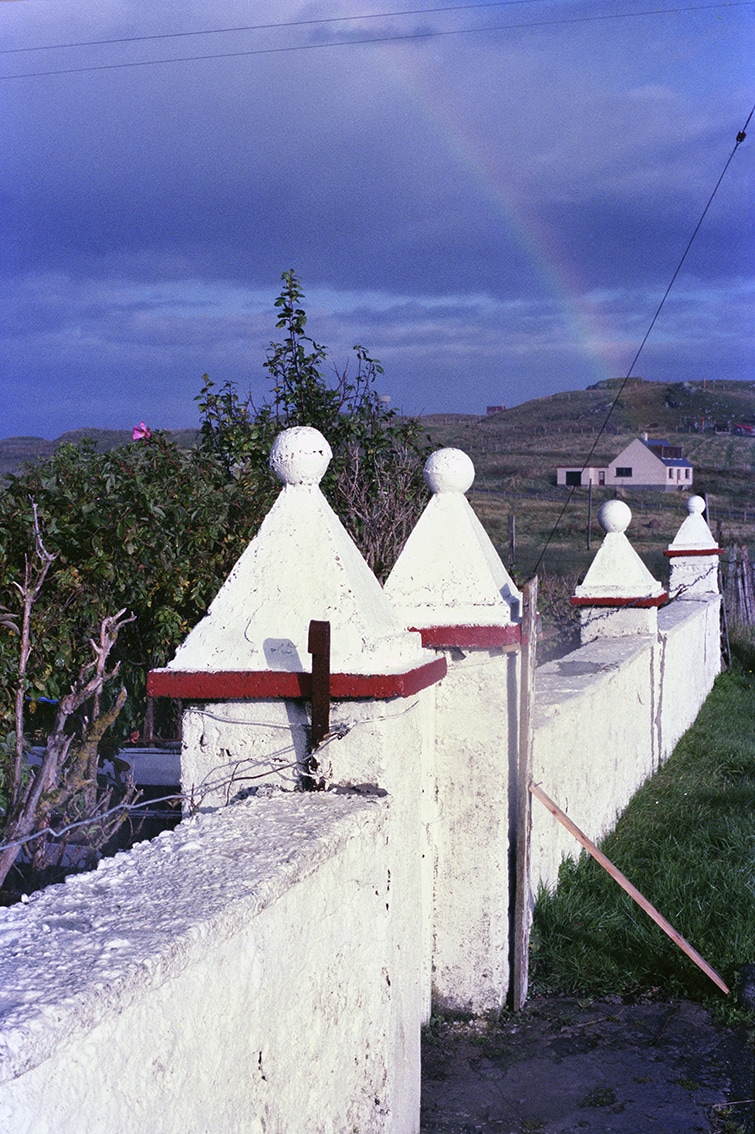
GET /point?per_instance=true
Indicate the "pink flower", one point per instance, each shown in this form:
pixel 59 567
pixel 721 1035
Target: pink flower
pixel 141 433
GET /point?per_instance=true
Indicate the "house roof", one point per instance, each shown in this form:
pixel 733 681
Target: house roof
pixel 657 445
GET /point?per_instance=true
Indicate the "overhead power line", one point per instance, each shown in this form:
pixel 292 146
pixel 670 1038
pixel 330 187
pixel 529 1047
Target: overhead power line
pixel 742 134
pixel 265 27
pixel 392 38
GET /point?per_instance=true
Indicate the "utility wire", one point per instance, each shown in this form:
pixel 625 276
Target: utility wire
pixel 264 27
pixel 738 142
pixel 397 38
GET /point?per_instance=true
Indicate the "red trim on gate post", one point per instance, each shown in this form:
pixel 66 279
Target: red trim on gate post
pixel 646 601
pixel 445 637
pixel 255 685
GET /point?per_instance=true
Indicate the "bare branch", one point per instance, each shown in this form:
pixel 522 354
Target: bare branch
pixel 35 573
pixel 49 789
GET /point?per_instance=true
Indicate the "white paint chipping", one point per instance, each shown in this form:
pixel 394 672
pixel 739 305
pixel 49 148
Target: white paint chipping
pixel 265 969
pixel 606 717
pixel 449 574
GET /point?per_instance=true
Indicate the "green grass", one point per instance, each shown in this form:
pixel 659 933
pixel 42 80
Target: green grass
pixel 687 841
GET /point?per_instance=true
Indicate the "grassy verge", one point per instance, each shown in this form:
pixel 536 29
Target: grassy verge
pixel 687 841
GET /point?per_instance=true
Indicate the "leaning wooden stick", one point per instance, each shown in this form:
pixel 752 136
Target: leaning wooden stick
pixel 625 884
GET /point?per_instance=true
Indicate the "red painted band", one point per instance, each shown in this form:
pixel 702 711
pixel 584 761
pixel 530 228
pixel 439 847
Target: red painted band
pixel 469 636
pixel 251 685
pixel 653 600
pixel 674 553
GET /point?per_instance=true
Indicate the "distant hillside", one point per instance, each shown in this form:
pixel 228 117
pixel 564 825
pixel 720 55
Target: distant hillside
pixel 516 453
pixel 656 407
pixel 15 452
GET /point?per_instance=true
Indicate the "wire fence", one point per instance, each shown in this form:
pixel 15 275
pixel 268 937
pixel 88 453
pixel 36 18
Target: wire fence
pixel 738 586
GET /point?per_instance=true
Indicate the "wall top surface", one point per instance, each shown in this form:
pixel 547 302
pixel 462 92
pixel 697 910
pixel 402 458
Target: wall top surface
pixel 102 938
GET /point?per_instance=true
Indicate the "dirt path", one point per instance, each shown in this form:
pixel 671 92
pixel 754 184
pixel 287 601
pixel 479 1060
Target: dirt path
pixel 569 1067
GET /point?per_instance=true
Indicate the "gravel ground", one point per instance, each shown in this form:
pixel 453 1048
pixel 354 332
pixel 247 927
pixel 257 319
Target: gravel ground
pixel 566 1066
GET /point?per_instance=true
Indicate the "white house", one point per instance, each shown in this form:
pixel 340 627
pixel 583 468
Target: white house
pixel 643 464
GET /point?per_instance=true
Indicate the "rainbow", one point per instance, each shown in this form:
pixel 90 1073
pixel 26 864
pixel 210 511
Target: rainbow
pixel 560 281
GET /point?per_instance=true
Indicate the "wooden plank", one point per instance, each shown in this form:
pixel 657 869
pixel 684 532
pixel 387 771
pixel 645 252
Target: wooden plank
pixel 523 888
pixel 747 586
pixel 625 884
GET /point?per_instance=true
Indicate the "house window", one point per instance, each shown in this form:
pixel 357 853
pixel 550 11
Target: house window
pixel 627 472
pixel 574 477
pixel 602 477
pixel 686 474
pixel 671 474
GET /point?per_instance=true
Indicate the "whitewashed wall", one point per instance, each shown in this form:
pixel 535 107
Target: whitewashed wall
pixel 245 973
pixel 608 714
pixel 266 968
pixel 475 759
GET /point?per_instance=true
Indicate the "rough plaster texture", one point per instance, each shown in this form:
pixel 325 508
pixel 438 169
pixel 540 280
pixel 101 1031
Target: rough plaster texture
pixel 475 762
pixel 244 974
pixel 230 746
pixel 691 576
pixel 449 574
pixel 389 744
pixel 615 622
pixel 616 573
pixel 689 634
pixel 605 717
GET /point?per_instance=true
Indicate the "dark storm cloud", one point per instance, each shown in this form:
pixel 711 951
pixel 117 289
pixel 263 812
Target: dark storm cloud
pixel 504 209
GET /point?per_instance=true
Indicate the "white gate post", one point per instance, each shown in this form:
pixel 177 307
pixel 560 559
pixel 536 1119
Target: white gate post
pixel 619 596
pixel 450 584
pixel 693 556
pixel 245 673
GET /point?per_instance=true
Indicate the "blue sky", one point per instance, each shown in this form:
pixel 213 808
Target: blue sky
pixel 492 199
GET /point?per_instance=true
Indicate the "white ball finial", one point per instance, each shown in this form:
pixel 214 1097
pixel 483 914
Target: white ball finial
pixel 614 516
pixel 695 505
pixel 449 470
pixel 300 455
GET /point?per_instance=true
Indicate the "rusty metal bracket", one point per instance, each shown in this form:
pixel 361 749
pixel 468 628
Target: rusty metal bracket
pixel 318 645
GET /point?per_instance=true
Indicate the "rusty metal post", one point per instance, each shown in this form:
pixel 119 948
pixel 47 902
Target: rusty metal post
pixel 319 647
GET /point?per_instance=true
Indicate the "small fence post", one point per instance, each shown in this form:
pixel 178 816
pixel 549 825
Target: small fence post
pixel 523 894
